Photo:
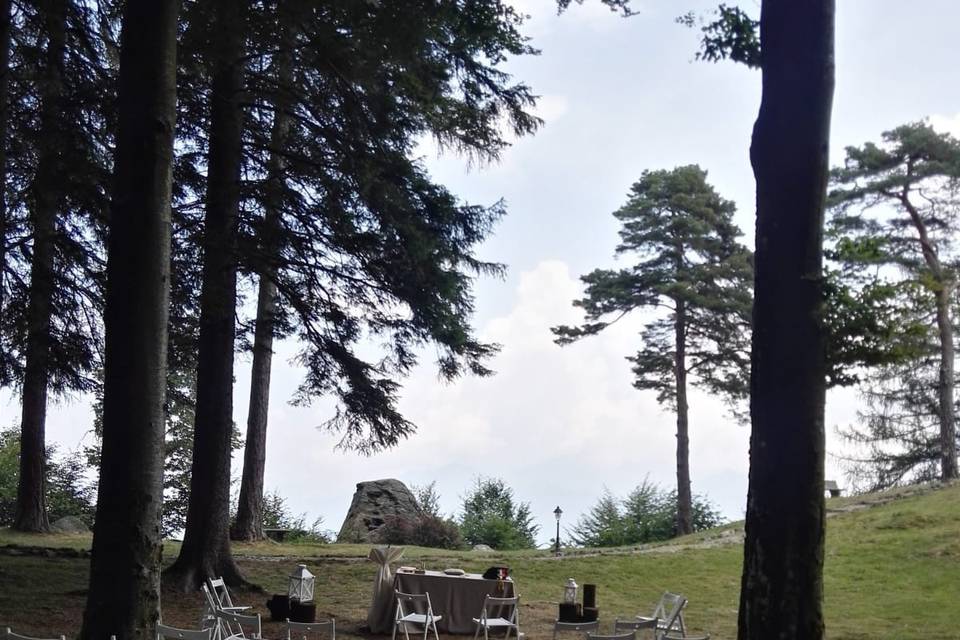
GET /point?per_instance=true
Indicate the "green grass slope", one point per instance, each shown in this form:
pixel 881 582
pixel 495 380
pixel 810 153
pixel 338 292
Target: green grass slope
pixel 892 571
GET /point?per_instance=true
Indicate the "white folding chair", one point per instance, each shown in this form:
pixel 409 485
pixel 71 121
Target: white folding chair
pixel 637 625
pixel 301 630
pixel 208 617
pixel 236 625
pixel 8 634
pixel 577 627
pixel 407 613
pixel 492 616
pixel 705 636
pixel 669 614
pixel 219 590
pixel 164 632
pixel 630 635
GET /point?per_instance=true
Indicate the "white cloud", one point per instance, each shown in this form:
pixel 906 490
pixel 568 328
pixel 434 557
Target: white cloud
pixel 558 424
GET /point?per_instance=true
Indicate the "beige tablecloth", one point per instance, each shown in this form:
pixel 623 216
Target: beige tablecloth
pixel 458 599
pixel 380 615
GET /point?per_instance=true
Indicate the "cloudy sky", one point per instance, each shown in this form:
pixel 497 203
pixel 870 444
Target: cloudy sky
pixel 559 425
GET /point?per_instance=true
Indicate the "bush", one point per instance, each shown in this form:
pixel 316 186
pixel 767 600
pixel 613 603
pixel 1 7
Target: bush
pixel 67 490
pixel 277 515
pixel 490 517
pixel 428 498
pixel 647 514
pixel 426 531
pixel 437 533
pixel 395 530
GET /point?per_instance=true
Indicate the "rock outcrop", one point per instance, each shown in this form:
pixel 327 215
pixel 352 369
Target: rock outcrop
pixel 374 502
pixel 69 524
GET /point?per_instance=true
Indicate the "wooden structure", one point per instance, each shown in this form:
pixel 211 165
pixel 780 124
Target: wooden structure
pixel 831 486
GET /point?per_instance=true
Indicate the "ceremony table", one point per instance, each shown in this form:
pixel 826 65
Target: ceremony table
pixel 458 598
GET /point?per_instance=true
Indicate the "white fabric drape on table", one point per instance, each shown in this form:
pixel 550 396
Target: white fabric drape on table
pixel 380 616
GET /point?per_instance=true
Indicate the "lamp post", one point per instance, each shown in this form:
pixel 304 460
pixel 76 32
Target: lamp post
pixel 557 513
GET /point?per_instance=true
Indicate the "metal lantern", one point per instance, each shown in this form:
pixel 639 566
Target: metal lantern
pixel 570 592
pixel 301 585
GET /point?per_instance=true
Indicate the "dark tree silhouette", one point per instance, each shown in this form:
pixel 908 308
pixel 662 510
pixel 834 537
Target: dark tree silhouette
pixel 124 593
pixel 205 551
pixel 782 586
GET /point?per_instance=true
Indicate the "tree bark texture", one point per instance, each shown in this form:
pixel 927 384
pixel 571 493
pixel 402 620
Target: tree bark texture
pixel 782 583
pixel 46 198
pixel 205 552
pixel 5 21
pixel 946 286
pixel 124 594
pixel 249 524
pixel 684 498
pixel 948 429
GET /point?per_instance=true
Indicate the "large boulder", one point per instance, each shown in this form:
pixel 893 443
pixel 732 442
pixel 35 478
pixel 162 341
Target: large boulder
pixel 69 524
pixel 373 502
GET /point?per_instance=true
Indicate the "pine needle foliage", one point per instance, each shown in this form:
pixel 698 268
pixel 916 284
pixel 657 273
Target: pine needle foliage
pixel 895 212
pixel 691 272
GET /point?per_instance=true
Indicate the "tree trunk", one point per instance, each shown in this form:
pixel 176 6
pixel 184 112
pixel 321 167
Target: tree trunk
pixel 205 552
pixel 249 524
pixel 782 585
pixel 5 21
pixel 46 196
pixel 124 593
pixel 945 286
pixel 948 429
pixel 684 499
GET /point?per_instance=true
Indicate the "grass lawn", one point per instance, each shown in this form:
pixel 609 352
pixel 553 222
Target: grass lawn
pixel 892 572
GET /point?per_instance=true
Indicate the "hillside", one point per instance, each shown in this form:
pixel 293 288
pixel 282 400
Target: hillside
pixel 892 562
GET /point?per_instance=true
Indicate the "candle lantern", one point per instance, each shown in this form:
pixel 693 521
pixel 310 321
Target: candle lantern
pixel 301 585
pixel 570 592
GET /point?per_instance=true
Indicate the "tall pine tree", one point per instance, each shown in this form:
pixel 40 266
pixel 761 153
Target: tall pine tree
pixel 901 199
pixel 205 551
pixel 345 214
pixel 124 595
pixel 57 174
pixel 688 262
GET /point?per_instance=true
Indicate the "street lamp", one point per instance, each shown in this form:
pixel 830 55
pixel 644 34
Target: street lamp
pixel 557 513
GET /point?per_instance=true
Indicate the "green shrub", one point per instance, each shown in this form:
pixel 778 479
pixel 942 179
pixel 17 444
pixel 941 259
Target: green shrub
pixel 68 491
pixel 425 531
pixel 647 514
pixel 277 515
pixel 490 517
